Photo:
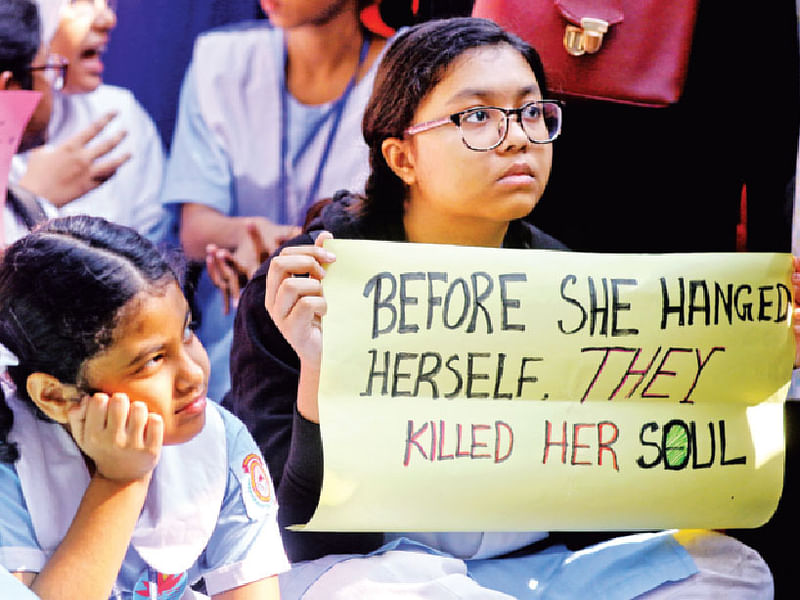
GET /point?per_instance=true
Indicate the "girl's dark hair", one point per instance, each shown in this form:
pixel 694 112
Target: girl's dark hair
pixel 20 38
pixel 413 65
pixel 62 288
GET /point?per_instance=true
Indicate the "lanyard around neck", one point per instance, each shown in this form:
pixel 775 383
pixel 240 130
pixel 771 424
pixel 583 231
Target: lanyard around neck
pixel 334 114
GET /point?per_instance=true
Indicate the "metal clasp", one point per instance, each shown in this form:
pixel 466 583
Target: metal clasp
pixel 586 39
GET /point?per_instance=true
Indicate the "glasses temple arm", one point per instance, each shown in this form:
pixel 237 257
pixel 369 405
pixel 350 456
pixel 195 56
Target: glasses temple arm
pixel 420 127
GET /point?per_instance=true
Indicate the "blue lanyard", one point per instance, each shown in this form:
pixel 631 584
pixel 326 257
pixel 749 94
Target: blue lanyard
pixel 335 113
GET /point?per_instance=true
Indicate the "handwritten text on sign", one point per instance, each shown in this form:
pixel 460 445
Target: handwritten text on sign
pixel 488 389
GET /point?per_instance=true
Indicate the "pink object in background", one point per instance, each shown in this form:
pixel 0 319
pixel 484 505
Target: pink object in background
pixel 16 108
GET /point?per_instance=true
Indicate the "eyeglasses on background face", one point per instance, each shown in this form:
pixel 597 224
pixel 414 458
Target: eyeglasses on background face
pixel 485 127
pixel 54 70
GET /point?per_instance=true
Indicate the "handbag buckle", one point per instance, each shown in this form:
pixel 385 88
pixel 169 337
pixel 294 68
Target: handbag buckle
pixel 586 39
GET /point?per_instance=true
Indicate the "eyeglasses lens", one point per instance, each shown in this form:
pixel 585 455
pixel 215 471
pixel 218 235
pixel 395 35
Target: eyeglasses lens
pixel 484 128
pixel 541 122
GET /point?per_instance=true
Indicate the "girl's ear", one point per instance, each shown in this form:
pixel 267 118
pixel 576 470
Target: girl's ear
pixel 51 396
pixel 397 154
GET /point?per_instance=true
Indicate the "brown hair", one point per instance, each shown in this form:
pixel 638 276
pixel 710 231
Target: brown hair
pixel 413 65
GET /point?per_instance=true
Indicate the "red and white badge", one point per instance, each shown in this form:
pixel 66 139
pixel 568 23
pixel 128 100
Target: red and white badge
pixel 256 485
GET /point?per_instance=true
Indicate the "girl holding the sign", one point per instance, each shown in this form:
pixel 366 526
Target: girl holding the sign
pixel 118 478
pixel 460 132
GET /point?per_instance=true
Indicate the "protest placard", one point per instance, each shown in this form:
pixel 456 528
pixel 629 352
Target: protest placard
pixel 16 108
pixel 469 389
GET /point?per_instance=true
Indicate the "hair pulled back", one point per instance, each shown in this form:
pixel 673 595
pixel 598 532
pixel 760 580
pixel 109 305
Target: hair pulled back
pixel 62 288
pixel 413 65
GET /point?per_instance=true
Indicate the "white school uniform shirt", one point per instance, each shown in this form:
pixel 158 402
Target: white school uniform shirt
pixel 210 510
pixel 132 196
pixel 226 152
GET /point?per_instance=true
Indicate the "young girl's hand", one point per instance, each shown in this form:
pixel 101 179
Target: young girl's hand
pixel 294 297
pixel 122 438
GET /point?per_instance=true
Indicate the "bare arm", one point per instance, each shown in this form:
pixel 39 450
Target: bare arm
pixel 264 589
pixel 86 563
pixel 202 225
pixel 124 442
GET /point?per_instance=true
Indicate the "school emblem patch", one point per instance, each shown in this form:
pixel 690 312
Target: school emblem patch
pixel 165 587
pixel 257 489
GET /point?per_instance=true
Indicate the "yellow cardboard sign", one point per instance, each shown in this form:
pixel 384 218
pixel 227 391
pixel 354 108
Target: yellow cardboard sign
pixel 470 389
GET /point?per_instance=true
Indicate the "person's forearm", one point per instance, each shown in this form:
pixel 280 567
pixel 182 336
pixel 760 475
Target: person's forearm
pixel 202 225
pixel 264 589
pixel 308 392
pixel 86 563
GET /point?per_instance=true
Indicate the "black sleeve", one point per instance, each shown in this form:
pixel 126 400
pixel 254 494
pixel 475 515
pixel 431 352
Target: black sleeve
pixel 298 497
pixel 264 374
pixel 263 394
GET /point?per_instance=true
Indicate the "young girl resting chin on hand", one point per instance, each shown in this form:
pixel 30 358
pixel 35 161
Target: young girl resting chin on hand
pixel 117 477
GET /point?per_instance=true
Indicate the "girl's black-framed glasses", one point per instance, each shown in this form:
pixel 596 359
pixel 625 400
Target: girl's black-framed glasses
pixel 485 127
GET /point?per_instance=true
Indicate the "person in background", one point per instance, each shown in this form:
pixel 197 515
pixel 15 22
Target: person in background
pixel 154 71
pixel 25 65
pixel 103 155
pixel 268 122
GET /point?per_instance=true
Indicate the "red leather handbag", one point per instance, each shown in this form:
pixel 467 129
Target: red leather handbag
pixel 629 51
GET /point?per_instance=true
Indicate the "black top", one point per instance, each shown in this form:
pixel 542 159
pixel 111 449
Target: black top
pixel 637 179
pixel 265 372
